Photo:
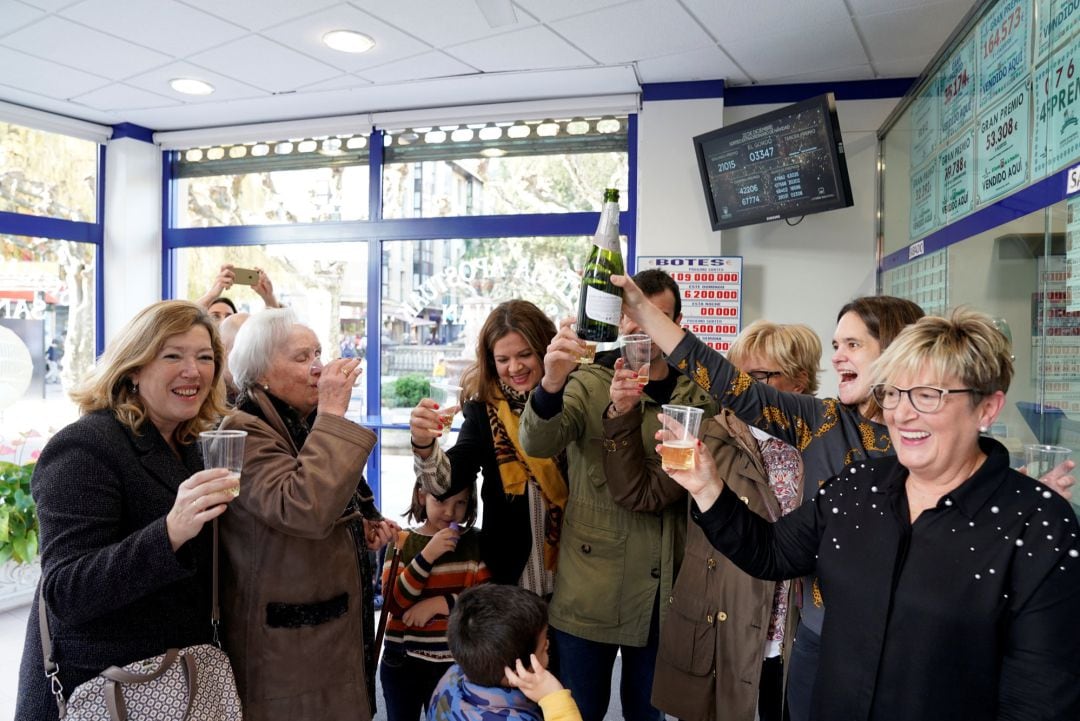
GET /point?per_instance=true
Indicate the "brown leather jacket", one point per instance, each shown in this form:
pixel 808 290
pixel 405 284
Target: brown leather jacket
pixel 712 641
pixel 291 595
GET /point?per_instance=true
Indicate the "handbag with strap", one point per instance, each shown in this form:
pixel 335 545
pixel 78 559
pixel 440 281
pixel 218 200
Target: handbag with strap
pixel 194 683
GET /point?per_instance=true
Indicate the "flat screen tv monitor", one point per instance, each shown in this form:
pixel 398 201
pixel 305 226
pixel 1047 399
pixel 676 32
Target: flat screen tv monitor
pixel 785 163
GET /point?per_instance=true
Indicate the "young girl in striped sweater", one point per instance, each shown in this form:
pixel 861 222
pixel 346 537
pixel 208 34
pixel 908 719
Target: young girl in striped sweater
pixel 438 560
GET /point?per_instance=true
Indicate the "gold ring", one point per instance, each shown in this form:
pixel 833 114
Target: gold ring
pixel 344 371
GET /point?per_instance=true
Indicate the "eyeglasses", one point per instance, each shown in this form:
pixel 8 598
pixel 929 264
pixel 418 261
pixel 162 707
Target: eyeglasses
pixel 924 399
pixel 764 376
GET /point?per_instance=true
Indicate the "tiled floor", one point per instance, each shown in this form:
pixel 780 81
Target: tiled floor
pixel 12 632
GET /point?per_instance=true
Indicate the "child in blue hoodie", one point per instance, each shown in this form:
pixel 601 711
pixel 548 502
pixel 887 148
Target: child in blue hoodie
pixel 498 638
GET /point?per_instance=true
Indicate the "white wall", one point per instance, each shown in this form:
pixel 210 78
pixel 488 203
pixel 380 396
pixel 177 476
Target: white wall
pixel 800 274
pixel 132 230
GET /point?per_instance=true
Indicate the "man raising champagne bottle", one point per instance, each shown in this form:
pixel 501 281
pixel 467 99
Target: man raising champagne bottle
pixel 614 564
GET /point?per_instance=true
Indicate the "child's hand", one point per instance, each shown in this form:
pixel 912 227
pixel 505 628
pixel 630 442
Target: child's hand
pixel 442 542
pixel 535 684
pixel 420 613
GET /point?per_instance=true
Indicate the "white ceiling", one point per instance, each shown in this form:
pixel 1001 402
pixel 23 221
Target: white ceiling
pixel 109 61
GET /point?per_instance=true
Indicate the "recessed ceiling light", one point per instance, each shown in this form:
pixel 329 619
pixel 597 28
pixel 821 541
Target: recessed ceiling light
pixel 348 41
pixel 191 86
pixel 493 152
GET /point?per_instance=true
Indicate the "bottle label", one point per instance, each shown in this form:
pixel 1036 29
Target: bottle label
pixel 601 306
pixel 607 230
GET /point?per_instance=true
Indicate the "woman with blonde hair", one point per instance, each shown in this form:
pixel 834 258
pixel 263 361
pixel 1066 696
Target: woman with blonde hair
pixel 123 504
pixel 732 669
pixel 523 497
pixel 953 580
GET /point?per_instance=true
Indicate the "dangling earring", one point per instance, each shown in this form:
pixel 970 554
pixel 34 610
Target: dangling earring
pixel 134 388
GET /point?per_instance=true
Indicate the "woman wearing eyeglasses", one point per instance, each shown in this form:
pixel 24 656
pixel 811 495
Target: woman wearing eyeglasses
pixel 830 432
pixel 953 581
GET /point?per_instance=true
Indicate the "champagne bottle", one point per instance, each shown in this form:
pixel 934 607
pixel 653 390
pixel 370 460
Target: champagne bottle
pixel 600 302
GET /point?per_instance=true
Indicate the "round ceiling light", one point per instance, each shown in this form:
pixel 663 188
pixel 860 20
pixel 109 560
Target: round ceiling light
pixel 348 41
pixel 191 86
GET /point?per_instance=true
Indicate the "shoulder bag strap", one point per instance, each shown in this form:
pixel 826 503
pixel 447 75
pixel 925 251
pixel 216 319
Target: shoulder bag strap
pixel 52 669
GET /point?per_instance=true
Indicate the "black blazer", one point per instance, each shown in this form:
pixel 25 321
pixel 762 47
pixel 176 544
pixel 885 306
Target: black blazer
pixel 506 536
pixel 116 591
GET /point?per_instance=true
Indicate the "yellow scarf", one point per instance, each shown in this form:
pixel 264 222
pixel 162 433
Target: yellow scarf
pixel 516 469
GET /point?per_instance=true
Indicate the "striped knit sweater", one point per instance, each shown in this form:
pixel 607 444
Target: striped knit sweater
pixel 417 580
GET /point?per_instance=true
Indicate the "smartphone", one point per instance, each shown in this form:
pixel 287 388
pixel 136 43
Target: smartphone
pixel 245 276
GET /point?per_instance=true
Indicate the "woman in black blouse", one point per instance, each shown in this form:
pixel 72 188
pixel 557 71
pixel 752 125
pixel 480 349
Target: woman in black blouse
pixel 953 581
pixel 523 496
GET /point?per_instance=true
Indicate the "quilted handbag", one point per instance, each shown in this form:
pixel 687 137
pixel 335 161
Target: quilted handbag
pixel 194 683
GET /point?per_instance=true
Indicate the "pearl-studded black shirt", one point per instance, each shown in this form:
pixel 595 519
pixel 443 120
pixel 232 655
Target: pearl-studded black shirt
pixel 969 613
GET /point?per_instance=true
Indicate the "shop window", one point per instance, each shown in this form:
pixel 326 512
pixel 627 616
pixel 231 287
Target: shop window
pixel 47 174
pixel 324 283
pixel 273 183
pixel 503 168
pixel 47 299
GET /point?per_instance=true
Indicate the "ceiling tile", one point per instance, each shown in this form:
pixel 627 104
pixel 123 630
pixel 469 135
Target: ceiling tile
pixel 908 33
pixel 854 72
pixel 637 30
pixel 14 15
pixel 869 7
pixel 345 81
pixel 169 26
pixel 426 65
pixel 548 10
pixel 49 105
pixel 50 5
pixel 157 81
pixel 709 63
pixel 119 96
pixel 77 46
pixel 41 76
pixel 726 20
pixel 910 67
pixel 259 14
pixel 457 21
pixel 265 64
pixel 536 47
pixel 305 35
pixel 839 49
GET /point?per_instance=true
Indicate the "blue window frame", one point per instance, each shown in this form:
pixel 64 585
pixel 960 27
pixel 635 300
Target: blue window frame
pixel 379 231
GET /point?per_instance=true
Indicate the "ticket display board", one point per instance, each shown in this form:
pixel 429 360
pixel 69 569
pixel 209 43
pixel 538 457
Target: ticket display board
pixel 711 289
pixel 781 164
pixel 994 116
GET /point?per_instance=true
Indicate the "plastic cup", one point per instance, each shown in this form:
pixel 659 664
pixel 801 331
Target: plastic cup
pixel 449 399
pixel 637 353
pixel 224 449
pixel 588 353
pixel 678 437
pixel 1041 459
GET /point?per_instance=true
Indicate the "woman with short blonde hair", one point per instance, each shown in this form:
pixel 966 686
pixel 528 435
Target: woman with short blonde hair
pixel 940 557
pixel 795 349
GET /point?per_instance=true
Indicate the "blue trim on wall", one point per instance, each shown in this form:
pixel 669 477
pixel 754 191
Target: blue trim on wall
pixel 133 131
pixel 843 90
pixel 472 226
pixel 373 352
pixel 37 226
pixel 1033 198
pixel 689 90
pixel 168 215
pixel 99 276
pixel 630 216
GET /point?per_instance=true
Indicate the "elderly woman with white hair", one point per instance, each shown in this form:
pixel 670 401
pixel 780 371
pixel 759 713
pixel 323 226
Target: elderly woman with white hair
pixel 953 580
pixel 297 576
